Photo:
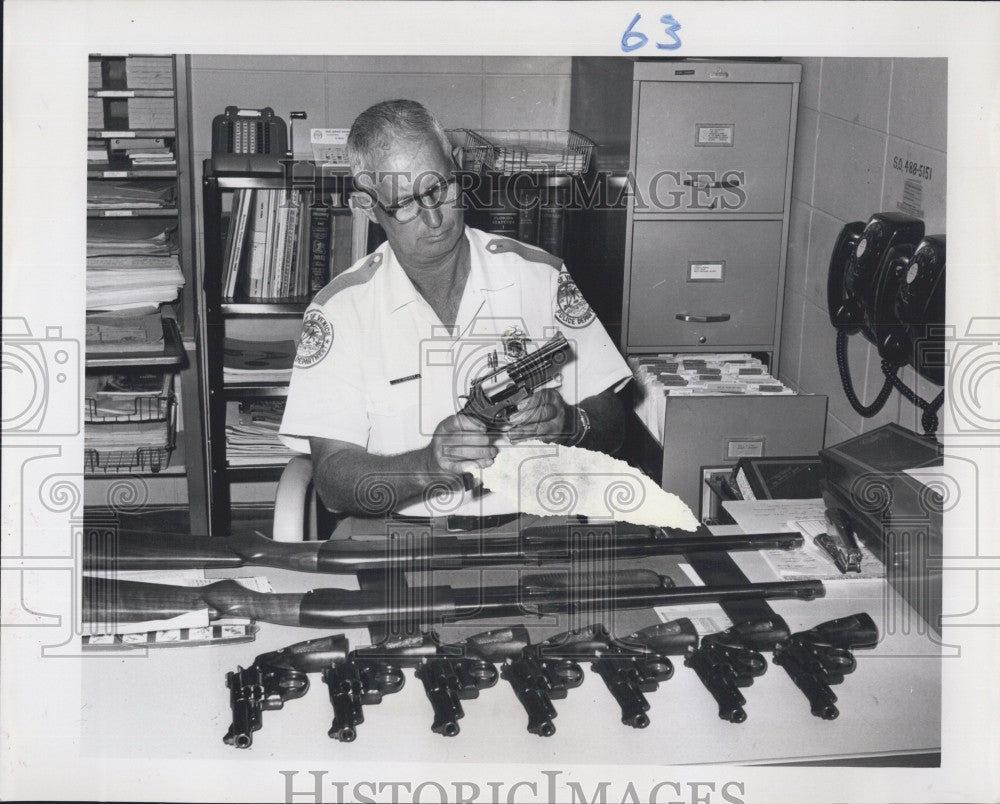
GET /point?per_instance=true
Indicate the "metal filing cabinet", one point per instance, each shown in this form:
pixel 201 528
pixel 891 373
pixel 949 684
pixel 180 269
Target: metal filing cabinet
pixel 711 156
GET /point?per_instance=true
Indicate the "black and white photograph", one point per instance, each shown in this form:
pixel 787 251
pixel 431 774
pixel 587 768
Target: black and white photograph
pixel 500 402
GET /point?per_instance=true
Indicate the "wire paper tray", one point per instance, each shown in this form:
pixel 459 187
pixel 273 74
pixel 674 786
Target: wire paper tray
pixel 473 150
pixel 152 408
pixel 144 459
pixel 510 151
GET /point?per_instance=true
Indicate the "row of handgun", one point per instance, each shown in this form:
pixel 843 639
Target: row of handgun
pixel 539 673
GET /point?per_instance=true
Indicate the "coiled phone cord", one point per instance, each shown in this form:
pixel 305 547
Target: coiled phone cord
pixel 845 378
pixel 928 419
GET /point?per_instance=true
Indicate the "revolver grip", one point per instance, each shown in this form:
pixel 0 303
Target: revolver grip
pixel 814 685
pixel 855 631
pixel 528 680
pixel 442 687
pixel 624 682
pixel 247 717
pixel 720 681
pixel 344 683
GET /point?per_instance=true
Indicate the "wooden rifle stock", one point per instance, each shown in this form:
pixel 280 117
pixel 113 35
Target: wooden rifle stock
pixel 107 601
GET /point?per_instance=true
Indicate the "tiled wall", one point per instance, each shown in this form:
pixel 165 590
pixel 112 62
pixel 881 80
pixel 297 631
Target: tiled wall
pixel 463 91
pixel 857 118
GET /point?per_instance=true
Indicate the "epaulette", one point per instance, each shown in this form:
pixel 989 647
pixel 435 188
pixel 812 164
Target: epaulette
pixel 349 279
pixel 502 245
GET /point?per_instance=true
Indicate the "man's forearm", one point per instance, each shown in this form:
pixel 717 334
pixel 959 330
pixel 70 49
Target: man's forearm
pixel 352 481
pixel 607 423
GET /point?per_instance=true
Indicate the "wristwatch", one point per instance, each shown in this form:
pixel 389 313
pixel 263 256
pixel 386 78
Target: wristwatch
pixel 582 426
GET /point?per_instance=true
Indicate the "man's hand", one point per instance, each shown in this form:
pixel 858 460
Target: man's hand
pixel 461 444
pixel 543 415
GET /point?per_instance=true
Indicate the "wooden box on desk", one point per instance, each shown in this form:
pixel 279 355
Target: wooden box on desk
pixel 719 430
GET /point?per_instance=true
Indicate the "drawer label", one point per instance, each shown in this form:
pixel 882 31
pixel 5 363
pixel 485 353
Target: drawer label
pixel 714 135
pixel 737 448
pixel 706 271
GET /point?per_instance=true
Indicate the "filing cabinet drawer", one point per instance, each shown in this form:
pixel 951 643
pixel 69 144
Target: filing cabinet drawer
pixel 706 148
pixel 703 431
pixel 703 283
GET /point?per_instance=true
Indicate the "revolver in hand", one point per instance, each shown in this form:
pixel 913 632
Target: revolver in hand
pixel 495 395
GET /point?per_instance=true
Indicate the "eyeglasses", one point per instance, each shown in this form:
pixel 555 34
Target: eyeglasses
pixel 440 193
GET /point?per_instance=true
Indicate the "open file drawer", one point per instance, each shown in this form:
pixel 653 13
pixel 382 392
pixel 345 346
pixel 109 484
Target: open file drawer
pixel 716 431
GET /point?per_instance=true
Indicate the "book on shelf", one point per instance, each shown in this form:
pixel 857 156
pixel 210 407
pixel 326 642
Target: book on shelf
pixel 527 215
pixel 320 226
pixel 281 248
pixel 552 220
pixel 778 478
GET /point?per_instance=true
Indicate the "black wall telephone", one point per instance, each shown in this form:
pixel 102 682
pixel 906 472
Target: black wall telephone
pixel 886 280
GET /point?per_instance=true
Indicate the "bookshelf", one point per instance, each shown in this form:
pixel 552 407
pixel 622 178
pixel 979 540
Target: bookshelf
pixel 240 319
pixel 142 409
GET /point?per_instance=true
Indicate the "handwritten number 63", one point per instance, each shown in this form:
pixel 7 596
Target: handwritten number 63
pixel 633 40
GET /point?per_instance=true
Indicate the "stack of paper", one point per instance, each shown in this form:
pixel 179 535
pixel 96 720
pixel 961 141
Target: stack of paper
pixel 257 361
pixel 124 397
pixel 116 283
pixel 252 433
pixel 130 194
pixel 149 72
pixel 150 113
pixel 125 333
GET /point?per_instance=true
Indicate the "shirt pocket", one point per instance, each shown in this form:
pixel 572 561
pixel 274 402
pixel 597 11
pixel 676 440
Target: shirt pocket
pixel 394 416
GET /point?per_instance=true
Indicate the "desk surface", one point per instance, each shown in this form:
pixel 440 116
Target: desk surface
pixel 173 702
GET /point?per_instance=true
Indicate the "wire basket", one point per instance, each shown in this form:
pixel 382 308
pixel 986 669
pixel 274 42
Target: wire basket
pixel 125 461
pixel 153 456
pixel 473 150
pixel 155 407
pixel 513 151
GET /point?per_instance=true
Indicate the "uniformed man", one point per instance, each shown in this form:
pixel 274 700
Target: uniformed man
pixel 388 347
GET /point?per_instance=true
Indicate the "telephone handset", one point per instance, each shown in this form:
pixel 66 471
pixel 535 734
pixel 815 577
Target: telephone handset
pixel 886 280
pixel 854 267
pixel 909 306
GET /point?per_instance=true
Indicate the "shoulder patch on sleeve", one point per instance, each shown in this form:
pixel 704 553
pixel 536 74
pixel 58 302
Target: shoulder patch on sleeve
pixel 316 339
pixel 349 278
pixel 571 308
pixel 503 245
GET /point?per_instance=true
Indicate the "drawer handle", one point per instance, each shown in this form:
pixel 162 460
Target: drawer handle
pixel 702 319
pixel 714 185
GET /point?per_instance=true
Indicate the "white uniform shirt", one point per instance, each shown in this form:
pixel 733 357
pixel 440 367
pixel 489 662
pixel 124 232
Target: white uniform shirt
pixel 375 366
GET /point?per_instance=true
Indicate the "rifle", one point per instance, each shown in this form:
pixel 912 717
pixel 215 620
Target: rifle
pixel 450 674
pixel 537 545
pixel 820 657
pixel 629 668
pixel 109 601
pixel 731 659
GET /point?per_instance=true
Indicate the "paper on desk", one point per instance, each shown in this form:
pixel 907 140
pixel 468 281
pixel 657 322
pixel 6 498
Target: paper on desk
pixel 552 480
pixel 811 561
pixel 707 618
pixel 773 516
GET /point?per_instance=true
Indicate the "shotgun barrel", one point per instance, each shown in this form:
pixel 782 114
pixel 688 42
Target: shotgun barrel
pixel 107 601
pixel 534 546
